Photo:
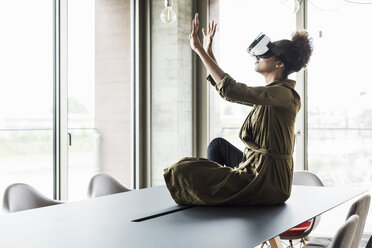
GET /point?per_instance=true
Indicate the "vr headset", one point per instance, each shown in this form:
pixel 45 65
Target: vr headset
pixel 262 47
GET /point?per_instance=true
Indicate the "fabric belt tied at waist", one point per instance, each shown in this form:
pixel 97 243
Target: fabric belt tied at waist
pixel 266 152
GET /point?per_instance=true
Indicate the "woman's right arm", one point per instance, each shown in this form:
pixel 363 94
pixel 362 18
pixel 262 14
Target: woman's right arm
pixel 227 87
pixel 275 95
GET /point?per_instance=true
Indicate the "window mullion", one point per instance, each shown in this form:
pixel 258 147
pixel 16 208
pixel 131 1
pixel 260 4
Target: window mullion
pixel 60 101
pixel 301 121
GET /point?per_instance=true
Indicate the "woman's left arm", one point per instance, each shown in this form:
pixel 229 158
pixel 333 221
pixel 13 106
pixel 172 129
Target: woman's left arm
pixel 214 70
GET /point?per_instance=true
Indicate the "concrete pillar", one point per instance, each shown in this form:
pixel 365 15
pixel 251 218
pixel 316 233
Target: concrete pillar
pixel 113 97
pixel 171 87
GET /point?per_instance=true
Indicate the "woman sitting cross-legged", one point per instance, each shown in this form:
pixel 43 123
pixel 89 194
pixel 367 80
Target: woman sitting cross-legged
pixel 262 173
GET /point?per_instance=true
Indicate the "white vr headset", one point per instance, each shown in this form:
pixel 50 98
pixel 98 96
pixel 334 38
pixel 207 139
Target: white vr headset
pixel 262 47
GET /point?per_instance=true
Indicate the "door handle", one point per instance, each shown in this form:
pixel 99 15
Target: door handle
pixel 69 139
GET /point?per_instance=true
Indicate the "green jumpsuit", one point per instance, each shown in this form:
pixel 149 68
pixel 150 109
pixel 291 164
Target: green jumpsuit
pixel 265 175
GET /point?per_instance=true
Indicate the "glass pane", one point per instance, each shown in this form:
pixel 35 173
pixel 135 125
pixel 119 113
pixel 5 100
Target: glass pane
pixel 99 92
pixel 26 94
pixel 236 30
pixel 339 98
pixel 171 87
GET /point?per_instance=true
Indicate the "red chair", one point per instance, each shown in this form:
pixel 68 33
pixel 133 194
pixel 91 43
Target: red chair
pixel 303 230
pixel 298 232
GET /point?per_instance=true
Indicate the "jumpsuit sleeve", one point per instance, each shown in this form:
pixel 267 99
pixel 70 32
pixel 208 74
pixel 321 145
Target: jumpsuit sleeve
pixel 273 95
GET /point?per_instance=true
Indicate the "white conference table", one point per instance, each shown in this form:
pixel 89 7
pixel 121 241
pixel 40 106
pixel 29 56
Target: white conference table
pixel 150 218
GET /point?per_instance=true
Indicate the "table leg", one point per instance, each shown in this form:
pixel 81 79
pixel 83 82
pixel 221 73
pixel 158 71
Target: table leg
pixel 275 242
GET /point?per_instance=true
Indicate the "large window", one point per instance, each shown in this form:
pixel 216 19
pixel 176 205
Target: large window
pixel 339 95
pixel 239 22
pixel 26 94
pixel 99 95
pixel 339 109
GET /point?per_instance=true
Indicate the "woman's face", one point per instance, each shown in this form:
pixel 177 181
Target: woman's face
pixel 265 66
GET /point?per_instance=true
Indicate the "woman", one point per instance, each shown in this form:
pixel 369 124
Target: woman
pixel 263 173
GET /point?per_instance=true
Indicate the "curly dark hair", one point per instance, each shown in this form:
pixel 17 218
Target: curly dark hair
pixel 295 53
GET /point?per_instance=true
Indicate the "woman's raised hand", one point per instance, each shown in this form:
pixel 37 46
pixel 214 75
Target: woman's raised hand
pixel 194 39
pixel 208 36
pixel 208 59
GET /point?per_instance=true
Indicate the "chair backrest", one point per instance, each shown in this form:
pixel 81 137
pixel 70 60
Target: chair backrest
pixel 360 208
pixel 310 179
pixel 20 196
pixel 369 244
pixel 306 178
pixel 104 184
pixel 344 235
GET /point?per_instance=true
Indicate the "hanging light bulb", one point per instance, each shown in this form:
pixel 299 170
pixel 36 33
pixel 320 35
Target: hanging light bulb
pixel 293 5
pixel 168 15
pixel 296 7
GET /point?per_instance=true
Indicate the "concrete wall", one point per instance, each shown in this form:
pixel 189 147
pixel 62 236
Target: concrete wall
pixel 113 87
pixel 171 87
pixel 214 98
